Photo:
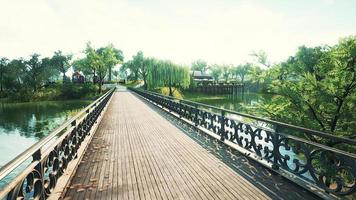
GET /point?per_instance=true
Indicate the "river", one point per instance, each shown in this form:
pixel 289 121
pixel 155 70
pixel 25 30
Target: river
pixel 240 102
pixel 23 124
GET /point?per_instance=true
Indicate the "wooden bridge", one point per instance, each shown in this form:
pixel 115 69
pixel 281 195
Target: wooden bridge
pixel 140 151
pixel 137 154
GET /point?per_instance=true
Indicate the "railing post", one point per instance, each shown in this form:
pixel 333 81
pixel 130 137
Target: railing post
pixel 38 189
pixel 196 121
pixel 275 141
pixel 37 155
pixel 222 126
pixel 74 123
pixel 180 108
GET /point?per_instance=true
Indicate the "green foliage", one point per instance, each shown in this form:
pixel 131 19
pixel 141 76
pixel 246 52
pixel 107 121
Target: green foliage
pixel 61 63
pixel 199 65
pixel 4 68
pixel 156 73
pixel 167 74
pixel 216 72
pixel 35 71
pixel 241 71
pixel 261 58
pixel 110 57
pixel 25 95
pixel 98 62
pixel 78 91
pixel 317 88
pixel 36 78
pixel 166 91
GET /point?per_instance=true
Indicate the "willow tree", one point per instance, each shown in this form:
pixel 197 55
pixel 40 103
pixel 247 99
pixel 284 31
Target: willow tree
pixel 167 74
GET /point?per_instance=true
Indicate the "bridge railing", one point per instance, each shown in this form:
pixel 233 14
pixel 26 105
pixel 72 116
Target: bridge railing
pixel 45 162
pixel 298 153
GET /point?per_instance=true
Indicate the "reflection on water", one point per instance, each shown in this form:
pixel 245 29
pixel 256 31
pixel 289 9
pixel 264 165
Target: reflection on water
pixel 22 124
pixel 238 102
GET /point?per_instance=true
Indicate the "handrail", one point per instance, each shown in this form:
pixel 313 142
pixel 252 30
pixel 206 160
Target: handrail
pixel 8 168
pixel 90 113
pixel 273 122
pixel 327 168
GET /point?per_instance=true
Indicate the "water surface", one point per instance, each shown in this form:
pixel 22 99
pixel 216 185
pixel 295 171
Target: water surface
pixel 240 102
pixel 23 124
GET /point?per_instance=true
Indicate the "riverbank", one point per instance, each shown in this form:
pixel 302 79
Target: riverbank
pixel 57 92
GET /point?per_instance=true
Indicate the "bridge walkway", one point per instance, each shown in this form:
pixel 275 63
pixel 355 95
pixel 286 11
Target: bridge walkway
pixel 137 154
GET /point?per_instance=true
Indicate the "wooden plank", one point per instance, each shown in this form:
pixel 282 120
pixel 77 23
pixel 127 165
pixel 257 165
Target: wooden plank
pixel 137 154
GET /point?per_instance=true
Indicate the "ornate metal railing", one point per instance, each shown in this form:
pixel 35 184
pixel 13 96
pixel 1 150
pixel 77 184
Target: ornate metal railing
pixel 282 147
pixel 49 158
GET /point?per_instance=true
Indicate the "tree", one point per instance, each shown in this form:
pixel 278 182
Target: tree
pixel 141 65
pixel 131 69
pixel 15 75
pixel 116 74
pixel 216 71
pixel 316 88
pixel 125 70
pixel 242 70
pixel 111 56
pixel 226 72
pixel 261 58
pixel 61 63
pixel 95 60
pixel 84 66
pixel 4 62
pixel 167 74
pixel 35 71
pixel 51 71
pixel 199 65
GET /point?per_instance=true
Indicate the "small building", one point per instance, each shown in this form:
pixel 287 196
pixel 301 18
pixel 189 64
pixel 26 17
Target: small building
pixel 201 76
pixel 77 77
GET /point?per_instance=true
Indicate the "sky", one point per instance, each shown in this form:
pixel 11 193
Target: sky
pixel 218 31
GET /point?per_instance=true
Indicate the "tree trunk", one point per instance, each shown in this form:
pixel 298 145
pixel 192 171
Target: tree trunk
pixel 170 85
pixel 94 76
pixel 170 91
pixel 100 84
pixel 145 83
pixel 1 87
pixel 64 77
pixel 110 74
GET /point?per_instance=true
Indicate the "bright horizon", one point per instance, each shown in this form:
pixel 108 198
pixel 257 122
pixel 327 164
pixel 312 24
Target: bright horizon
pixel 223 32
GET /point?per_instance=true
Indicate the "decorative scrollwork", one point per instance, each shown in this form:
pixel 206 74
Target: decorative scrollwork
pixel 329 169
pixel 40 182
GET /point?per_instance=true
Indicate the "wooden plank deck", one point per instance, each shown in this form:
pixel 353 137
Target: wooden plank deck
pixel 137 154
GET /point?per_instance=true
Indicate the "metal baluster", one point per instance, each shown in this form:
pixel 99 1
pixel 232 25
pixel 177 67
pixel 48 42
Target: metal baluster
pixel 275 151
pixel 222 126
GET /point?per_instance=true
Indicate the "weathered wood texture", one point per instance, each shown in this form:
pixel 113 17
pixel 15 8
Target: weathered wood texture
pixel 137 154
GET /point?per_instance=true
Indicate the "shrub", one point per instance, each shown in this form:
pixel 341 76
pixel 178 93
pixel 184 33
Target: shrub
pixel 78 91
pixel 176 92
